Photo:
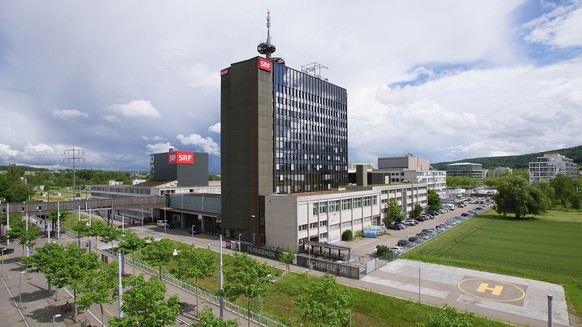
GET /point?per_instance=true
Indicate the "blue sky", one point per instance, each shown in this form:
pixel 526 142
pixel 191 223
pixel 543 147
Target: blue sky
pixel 445 80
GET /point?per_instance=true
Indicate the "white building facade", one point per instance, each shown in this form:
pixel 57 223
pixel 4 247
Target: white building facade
pixel 324 216
pixel 549 166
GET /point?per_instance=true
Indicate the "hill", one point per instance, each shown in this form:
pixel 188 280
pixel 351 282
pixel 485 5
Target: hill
pixel 518 161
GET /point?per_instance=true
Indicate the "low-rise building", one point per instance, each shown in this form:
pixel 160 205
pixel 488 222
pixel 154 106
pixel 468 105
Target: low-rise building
pixel 467 169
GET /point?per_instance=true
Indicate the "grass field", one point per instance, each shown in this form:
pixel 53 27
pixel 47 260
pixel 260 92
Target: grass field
pixel 547 248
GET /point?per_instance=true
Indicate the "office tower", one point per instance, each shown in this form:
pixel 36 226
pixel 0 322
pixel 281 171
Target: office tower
pixel 282 131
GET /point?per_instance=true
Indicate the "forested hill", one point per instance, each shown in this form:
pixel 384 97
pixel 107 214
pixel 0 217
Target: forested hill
pixel 520 161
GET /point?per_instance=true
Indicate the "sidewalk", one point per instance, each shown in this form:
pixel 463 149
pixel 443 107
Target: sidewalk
pixel 39 308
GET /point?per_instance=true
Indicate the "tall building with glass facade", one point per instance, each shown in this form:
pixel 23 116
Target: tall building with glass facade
pixel 283 131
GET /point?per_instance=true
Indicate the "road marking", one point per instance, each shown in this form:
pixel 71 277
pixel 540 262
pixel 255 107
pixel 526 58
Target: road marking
pixel 501 292
pixel 494 290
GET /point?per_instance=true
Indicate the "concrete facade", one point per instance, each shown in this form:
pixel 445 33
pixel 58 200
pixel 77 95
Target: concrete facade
pixel 324 216
pixel 467 169
pixel 549 166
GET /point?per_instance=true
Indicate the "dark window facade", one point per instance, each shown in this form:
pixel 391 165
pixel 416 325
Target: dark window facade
pixel 310 132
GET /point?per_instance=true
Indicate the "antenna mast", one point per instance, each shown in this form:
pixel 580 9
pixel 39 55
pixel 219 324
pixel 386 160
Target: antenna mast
pixel 266 47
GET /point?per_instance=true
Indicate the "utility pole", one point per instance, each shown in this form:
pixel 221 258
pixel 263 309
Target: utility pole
pixel 74 153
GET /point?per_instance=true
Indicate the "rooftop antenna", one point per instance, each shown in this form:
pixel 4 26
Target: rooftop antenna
pixel 266 47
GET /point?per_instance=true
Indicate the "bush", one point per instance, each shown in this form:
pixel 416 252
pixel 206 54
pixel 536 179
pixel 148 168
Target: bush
pixel 360 233
pixel 382 250
pixel 450 317
pixel 347 235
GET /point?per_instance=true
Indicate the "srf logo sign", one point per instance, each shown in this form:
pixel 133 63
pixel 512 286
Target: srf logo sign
pixel 181 158
pixel 265 64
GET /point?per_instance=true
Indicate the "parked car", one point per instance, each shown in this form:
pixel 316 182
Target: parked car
pixel 165 223
pixel 397 226
pixel 192 230
pixel 410 222
pixel 4 250
pixel 396 249
pixel 403 243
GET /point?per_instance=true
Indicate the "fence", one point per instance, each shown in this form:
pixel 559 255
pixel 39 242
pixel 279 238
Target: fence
pixel 257 318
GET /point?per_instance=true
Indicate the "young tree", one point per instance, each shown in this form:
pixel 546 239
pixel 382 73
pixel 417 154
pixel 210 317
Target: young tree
pixel 245 276
pixel 158 253
pixel 434 200
pixel 23 231
pixel 326 302
pixel 417 210
pixel 99 287
pixel 110 234
pixel 194 264
pixel 208 319
pixel 144 304
pixel 13 186
pixel 48 260
pixel 76 268
pixel 287 257
pixel 394 214
pixel 130 243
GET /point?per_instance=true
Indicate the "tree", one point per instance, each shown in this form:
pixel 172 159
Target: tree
pixel 517 196
pixel 326 302
pixel 382 250
pixel 158 253
pixel 130 243
pixel 53 217
pixel 394 214
pixel 417 210
pixel 194 264
pixel 13 186
pixel 110 234
pixel 208 319
pixel 564 188
pixel 23 231
pixel 99 287
pixel 245 276
pixel 461 181
pixel 144 304
pixel 77 266
pixel 287 257
pixel 48 260
pixel 434 200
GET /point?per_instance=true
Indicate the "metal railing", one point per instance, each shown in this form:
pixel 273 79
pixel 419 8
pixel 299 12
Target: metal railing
pixel 215 299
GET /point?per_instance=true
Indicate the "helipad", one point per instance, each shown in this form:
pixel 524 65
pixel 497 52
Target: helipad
pixel 506 298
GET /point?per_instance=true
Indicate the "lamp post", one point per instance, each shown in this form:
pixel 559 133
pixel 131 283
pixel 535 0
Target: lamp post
pixel 192 232
pixel 7 222
pixel 20 288
pixel 58 315
pixel 221 283
pixel 142 216
pixel 27 248
pixel 2 262
pixel 239 244
pixel 120 285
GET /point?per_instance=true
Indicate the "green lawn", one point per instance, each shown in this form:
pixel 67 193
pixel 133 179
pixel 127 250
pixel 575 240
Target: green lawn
pixel 547 248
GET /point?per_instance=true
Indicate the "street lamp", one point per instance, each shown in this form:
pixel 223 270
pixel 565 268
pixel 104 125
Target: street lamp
pixel 120 285
pixel 20 288
pixel 58 315
pixel 192 231
pixel 221 283
pixel 239 244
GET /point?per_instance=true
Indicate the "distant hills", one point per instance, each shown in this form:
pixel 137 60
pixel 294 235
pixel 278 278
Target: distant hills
pixel 516 162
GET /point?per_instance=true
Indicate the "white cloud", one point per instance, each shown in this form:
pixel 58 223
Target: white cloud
pixel 205 143
pixel 214 128
pixel 560 27
pixel 5 150
pixel 69 113
pixel 110 118
pixel 136 108
pixel 159 147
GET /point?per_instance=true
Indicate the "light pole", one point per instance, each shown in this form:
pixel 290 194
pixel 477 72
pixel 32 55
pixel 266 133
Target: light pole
pixel 58 315
pixel 120 285
pixel 58 221
pixel 2 262
pixel 27 248
pixel 7 222
pixel 221 283
pixel 192 231
pixel 20 288
pixel 239 244
pixel 165 221
pixel 142 216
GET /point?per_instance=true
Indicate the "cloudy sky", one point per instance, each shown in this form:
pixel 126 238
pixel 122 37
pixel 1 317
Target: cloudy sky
pixel 445 80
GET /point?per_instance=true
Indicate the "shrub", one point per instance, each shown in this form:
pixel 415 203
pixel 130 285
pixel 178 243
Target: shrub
pixel 382 250
pixel 347 235
pixel 360 233
pixel 450 317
